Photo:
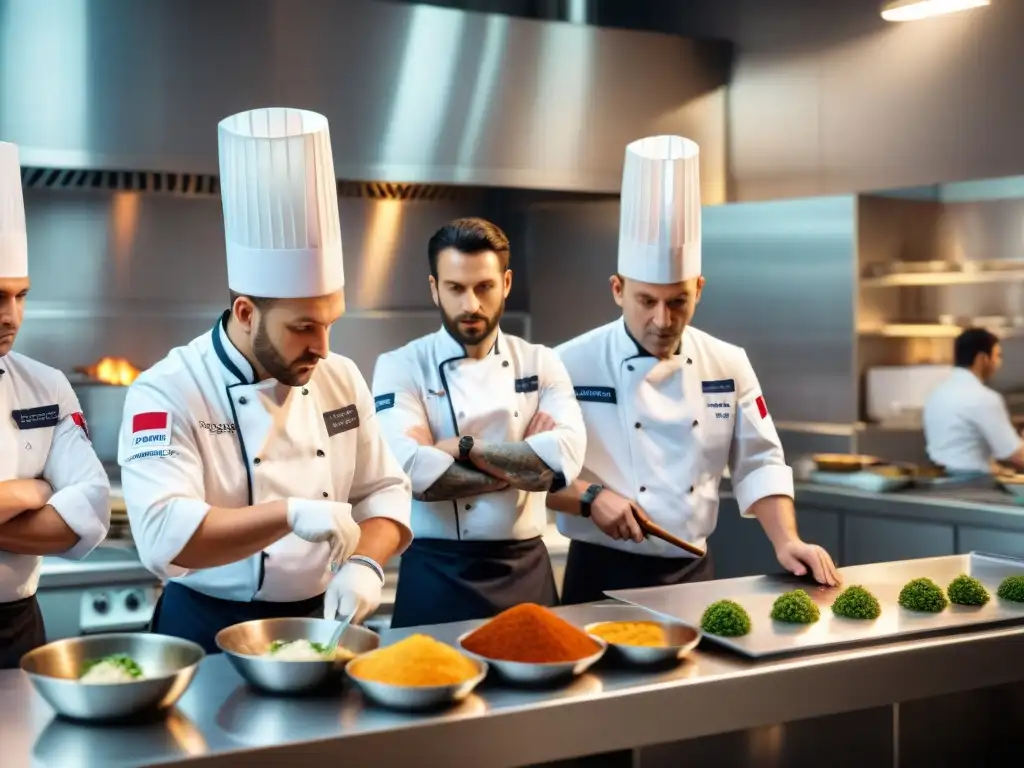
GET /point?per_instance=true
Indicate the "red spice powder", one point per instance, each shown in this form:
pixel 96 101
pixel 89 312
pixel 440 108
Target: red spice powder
pixel 530 633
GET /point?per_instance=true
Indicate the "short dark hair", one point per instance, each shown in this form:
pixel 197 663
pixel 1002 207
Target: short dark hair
pixel 469 235
pixel 971 343
pixel 261 303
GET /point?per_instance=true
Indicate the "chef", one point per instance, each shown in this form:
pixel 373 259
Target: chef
pixel 485 424
pixel 667 407
pixel 966 424
pixel 54 493
pixel 252 461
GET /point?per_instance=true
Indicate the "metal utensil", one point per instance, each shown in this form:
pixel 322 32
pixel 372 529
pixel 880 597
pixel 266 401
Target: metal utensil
pixel 245 645
pixel 530 673
pixel 332 644
pixel 416 697
pixel 653 529
pixel 168 665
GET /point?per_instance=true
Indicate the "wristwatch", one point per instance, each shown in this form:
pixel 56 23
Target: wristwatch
pixel 587 498
pixel 465 446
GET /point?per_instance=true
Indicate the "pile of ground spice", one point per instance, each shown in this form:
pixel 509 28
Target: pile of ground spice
pixel 418 660
pixel 646 633
pixel 530 633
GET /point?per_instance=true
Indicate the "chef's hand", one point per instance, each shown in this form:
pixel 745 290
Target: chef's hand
pixel 798 556
pixel 356 587
pixel 421 434
pixel 329 521
pixel 27 494
pixel 613 514
pixel 541 422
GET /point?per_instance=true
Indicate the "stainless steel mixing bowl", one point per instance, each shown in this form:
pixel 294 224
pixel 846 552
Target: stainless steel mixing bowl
pixel 168 666
pixel 245 643
pixel 680 640
pixel 416 697
pixel 529 673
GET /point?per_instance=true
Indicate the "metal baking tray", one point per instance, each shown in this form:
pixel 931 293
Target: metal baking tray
pixel 686 603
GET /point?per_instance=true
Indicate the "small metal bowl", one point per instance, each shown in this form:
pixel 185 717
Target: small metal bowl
pixel 168 663
pixel 416 697
pixel 529 673
pixel 680 639
pixel 244 644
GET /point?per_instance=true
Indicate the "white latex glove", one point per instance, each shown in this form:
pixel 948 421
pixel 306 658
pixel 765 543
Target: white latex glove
pixel 354 588
pixel 329 521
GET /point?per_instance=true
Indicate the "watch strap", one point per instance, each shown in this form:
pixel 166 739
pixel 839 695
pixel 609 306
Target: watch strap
pixel 587 498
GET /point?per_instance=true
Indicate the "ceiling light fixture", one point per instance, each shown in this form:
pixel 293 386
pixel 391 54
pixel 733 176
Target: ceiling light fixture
pixel 914 10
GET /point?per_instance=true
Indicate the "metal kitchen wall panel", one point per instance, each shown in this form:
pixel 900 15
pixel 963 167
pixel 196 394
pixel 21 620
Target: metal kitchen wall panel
pixel 780 283
pixel 127 274
pixel 414 93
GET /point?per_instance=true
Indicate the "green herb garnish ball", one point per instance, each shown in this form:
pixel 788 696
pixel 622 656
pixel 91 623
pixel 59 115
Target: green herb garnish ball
pixel 855 602
pixel 1012 589
pixel 964 590
pixel 795 607
pixel 725 618
pixel 923 595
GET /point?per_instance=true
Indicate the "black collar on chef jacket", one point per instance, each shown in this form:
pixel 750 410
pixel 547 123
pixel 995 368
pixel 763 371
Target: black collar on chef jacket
pixel 237 369
pixel 640 351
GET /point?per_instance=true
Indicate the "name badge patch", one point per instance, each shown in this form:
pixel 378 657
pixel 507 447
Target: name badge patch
pixel 341 420
pixel 383 402
pixel 718 387
pixel 151 429
pixel 37 418
pixel 596 394
pixel 529 384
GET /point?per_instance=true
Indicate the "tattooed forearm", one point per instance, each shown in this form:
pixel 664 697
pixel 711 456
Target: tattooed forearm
pixel 515 463
pixel 460 481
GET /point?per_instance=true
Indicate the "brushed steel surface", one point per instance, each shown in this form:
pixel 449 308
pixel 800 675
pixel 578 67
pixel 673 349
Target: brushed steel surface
pixel 168 665
pixel 416 697
pixel 413 93
pixel 529 673
pixel 686 602
pixel 244 644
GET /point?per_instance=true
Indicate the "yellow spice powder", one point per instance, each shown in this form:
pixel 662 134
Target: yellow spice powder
pixel 418 660
pixel 631 633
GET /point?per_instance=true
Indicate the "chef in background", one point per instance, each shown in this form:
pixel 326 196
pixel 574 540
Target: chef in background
pixel 966 423
pixel 252 461
pixel 667 407
pixel 54 493
pixel 485 424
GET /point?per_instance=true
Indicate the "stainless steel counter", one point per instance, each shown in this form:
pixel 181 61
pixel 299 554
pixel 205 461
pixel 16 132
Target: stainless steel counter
pixel 219 721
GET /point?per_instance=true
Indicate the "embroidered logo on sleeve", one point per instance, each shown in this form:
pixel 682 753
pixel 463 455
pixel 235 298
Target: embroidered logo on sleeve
pixel 718 387
pixel 81 423
pixel 596 394
pixel 152 428
pixel 383 402
pixel 160 453
pixel 37 418
pixel 528 384
pixel 762 409
pixel 341 420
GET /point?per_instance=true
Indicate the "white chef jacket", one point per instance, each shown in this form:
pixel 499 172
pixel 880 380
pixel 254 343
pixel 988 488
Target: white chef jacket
pixel 199 431
pixel 43 434
pixel 430 382
pixel 661 432
pixel 966 424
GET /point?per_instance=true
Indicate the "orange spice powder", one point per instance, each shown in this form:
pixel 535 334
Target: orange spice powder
pixel 530 633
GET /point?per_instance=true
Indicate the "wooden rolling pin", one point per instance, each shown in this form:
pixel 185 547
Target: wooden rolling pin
pixel 652 529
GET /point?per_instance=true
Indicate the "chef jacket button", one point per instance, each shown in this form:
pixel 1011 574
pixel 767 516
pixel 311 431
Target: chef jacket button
pixel 319 453
pixel 504 363
pixel 256 460
pixel 242 400
pixel 462 414
pixel 325 494
pixel 469 507
pixel 630 368
pixel 516 414
pixel 695 422
pixel 637 425
pixel 689 361
pixel 305 391
pixel 643 489
pixel 691 489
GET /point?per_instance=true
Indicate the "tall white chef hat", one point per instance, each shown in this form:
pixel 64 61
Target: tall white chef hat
pixel 13 236
pixel 280 204
pixel 659 223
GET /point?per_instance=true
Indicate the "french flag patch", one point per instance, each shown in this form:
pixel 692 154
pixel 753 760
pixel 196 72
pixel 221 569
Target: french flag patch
pixel 152 428
pixel 81 423
pixel 761 407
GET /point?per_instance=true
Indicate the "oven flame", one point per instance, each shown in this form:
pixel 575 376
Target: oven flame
pixel 112 370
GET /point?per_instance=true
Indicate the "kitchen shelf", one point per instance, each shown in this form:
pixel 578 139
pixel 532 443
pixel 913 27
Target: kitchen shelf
pixel 931 331
pixel 907 279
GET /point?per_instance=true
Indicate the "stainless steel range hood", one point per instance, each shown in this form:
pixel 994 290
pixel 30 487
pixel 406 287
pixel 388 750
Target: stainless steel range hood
pixel 415 94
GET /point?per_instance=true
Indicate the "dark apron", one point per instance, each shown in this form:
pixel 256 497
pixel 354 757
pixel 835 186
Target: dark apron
pixel 441 581
pixel 21 630
pixel 591 570
pixel 191 615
